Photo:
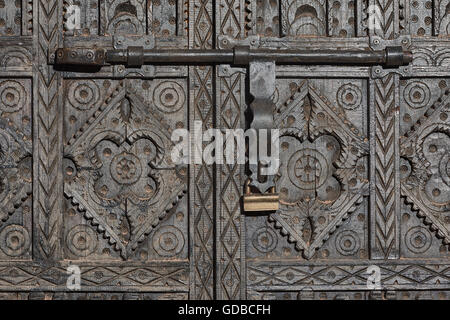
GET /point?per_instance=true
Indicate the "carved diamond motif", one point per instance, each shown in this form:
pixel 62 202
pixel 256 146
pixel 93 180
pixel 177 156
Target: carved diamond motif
pixel 425 168
pixel 323 173
pixel 118 171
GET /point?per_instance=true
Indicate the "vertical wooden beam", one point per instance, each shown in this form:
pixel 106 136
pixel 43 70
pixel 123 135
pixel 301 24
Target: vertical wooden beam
pixel 47 124
pixel 384 135
pixel 231 104
pixel 201 185
pixel 385 157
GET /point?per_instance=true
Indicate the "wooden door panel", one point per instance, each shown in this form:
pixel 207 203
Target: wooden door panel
pixel 87 178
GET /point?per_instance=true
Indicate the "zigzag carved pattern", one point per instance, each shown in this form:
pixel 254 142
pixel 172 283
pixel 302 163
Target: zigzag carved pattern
pixel 201 186
pixel 48 206
pixel 385 154
pixel 386 18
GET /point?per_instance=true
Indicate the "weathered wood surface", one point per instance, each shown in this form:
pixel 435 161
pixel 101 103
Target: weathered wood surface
pixel 76 182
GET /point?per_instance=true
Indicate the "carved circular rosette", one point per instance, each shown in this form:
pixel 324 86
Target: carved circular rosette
pixel 347 243
pixel 418 239
pixel 169 96
pixel 168 241
pixel 126 168
pixel 14 240
pixel 264 240
pixel 81 240
pixel 308 169
pixel 308 173
pixel 84 94
pixel 12 96
pixel 417 94
pixel 349 96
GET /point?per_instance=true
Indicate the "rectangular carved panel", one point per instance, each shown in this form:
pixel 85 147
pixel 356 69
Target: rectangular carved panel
pixel 118 171
pixel 15 169
pixel 323 178
pixel 16 17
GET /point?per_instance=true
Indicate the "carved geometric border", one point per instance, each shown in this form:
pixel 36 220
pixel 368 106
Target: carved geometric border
pixel 153 277
pixel 395 275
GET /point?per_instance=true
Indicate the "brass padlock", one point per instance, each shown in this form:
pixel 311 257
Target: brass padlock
pixel 260 201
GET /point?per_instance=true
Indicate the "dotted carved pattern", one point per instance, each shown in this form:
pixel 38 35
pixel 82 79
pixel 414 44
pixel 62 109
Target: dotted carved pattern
pixel 230 97
pixel 230 18
pixel 15 187
pixel 130 278
pixel 10 17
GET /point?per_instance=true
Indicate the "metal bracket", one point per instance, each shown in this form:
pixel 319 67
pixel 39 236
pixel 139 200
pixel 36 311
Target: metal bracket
pixel 134 46
pixel 380 72
pixel 226 42
pixel 378 43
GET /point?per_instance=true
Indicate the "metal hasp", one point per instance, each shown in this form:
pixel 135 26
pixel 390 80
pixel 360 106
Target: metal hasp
pixel 260 194
pixel 135 56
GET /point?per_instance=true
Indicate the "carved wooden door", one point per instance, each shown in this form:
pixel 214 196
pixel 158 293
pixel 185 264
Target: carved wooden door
pixel 88 182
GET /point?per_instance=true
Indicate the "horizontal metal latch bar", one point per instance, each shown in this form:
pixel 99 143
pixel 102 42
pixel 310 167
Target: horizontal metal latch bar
pixel 135 57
